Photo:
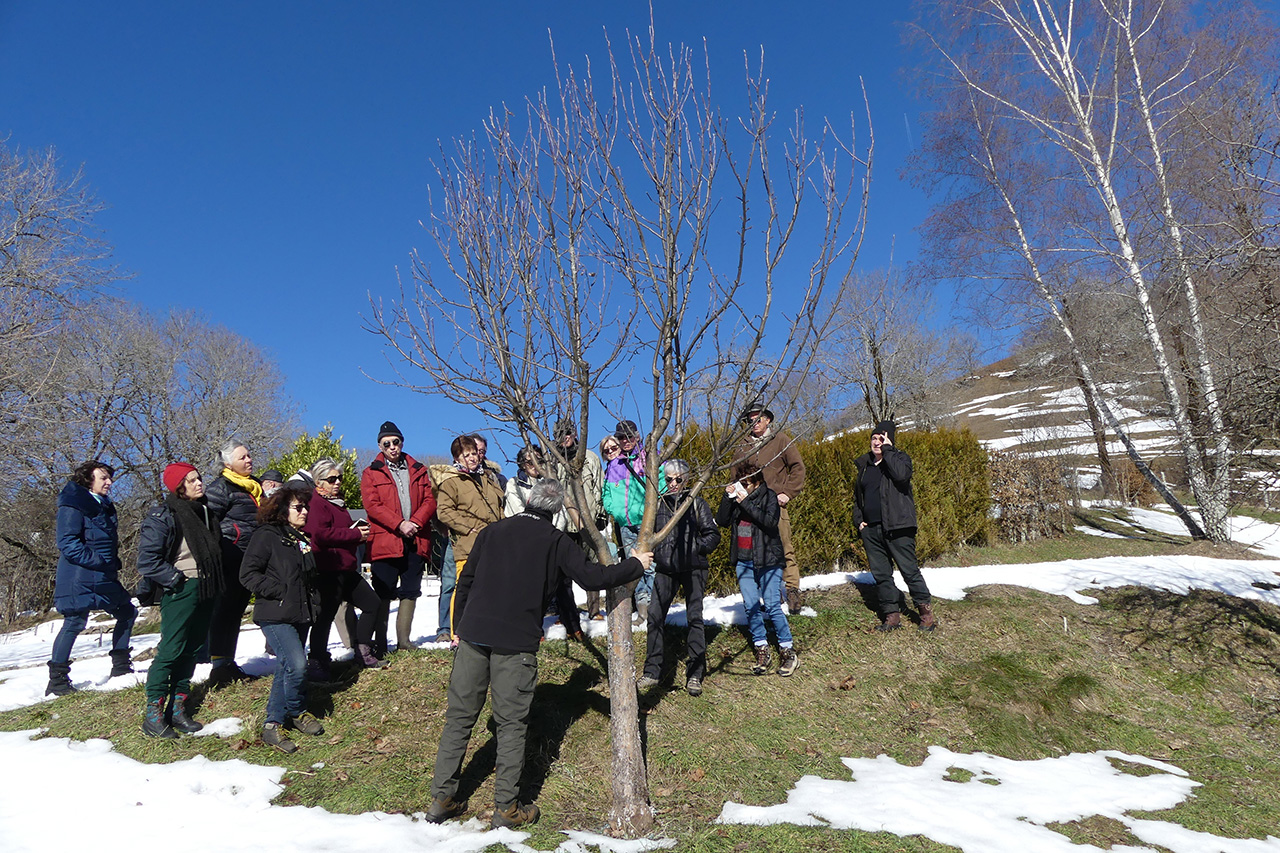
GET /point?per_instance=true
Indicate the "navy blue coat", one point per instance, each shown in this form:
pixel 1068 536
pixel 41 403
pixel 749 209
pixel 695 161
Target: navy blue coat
pixel 88 553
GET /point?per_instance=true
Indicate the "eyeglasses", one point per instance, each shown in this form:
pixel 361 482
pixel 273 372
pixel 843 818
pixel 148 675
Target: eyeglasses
pixel 299 507
pixel 390 442
pixel 676 480
pixel 331 480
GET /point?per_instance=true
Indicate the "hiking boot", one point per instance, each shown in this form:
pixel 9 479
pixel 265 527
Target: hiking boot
pixel 305 723
pixel 120 663
pixel 442 810
pixel 693 686
pixel 790 660
pixel 646 682
pixel 273 735
pixel 892 622
pixel 178 717
pixel 154 724
pixel 59 679
pixel 927 620
pixel 444 636
pixel 514 815
pixel 227 673
pixel 794 601
pixel 763 661
pixel 369 660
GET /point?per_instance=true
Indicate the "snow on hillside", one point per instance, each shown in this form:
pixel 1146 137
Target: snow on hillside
pixel 1004 805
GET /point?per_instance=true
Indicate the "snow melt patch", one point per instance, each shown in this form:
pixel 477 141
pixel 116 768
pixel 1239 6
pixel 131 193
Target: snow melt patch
pixel 1001 808
pixel 201 805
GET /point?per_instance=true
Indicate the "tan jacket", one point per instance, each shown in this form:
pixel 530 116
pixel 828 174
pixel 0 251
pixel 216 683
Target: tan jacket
pixel 465 503
pixel 776 455
pixel 592 486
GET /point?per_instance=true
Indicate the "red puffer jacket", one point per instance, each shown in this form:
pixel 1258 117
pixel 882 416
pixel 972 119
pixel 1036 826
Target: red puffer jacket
pixel 382 502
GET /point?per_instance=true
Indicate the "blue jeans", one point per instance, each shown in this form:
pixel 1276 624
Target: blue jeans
pixel 288 696
pixel 644 587
pixel 448 580
pixel 75 621
pixel 757 584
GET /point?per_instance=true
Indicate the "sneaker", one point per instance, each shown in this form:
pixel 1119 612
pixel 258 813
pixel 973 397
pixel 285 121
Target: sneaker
pixel 442 810
pixel 790 660
pixel 693 686
pixel 763 660
pixel 514 815
pixel 273 735
pixel 305 723
pixel 794 601
pixel 646 682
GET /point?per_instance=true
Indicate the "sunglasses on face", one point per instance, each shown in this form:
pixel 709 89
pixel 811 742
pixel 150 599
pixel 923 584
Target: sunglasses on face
pixel 331 480
pixel 298 507
pixel 391 442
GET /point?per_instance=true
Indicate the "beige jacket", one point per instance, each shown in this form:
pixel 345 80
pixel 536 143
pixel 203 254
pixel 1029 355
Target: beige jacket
pixel 465 503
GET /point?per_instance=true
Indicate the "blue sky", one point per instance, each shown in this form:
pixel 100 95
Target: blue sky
pixel 268 163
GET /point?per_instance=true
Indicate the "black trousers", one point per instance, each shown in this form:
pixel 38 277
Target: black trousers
pixel 884 550
pixel 335 588
pixel 694 584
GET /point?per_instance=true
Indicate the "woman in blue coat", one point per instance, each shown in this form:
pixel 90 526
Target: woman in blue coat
pixel 88 572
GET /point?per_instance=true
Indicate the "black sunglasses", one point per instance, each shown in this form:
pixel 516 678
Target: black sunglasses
pixel 331 480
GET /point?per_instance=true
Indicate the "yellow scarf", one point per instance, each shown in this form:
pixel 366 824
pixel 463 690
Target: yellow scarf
pixel 250 485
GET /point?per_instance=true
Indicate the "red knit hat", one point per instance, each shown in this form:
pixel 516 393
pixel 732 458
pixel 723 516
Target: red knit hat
pixel 175 473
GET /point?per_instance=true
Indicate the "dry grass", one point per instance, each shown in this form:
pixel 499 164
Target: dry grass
pixel 1194 680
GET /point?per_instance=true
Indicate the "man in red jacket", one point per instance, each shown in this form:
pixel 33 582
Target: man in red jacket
pixel 397 495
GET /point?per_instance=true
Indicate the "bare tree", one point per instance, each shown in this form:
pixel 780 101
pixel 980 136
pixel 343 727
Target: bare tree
pixel 1097 90
pixel 623 252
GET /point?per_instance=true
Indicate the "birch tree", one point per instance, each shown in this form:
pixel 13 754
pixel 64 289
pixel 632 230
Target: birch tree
pixel 622 248
pixel 1098 87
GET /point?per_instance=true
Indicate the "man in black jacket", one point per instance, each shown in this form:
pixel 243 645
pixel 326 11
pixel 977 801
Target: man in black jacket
pixel 885 516
pixel 512 572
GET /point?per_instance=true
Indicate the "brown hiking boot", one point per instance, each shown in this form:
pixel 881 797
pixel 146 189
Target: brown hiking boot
pixel 442 810
pixel 892 622
pixel 794 601
pixel 790 660
pixel 927 620
pixel 514 815
pixel 763 660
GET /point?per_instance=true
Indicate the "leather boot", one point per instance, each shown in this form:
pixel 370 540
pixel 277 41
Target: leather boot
pixel 404 624
pixel 367 659
pixel 120 663
pixel 178 717
pixel 59 679
pixel 154 723
pixel 892 622
pixel 927 620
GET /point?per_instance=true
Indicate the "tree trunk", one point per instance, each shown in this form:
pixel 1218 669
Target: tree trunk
pixel 631 815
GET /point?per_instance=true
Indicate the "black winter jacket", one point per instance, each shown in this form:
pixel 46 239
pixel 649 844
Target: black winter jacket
pixel 158 544
pixel 761 508
pixel 280 570
pixel 512 572
pixel 897 501
pixel 235 509
pixel 694 537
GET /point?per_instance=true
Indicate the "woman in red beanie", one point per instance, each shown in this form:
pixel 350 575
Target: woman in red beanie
pixel 180 559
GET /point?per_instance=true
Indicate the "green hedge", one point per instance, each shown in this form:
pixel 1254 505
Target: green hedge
pixel 951 489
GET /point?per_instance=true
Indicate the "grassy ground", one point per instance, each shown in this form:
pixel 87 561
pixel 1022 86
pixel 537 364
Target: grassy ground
pixel 1194 680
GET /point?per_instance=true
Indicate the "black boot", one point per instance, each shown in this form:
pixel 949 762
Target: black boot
pixel 153 724
pixel 120 663
pixel 178 717
pixel 59 679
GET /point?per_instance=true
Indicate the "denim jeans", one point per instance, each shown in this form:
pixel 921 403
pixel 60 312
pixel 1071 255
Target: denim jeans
pixel 761 595
pixel 448 580
pixel 73 622
pixel 288 696
pixel 644 587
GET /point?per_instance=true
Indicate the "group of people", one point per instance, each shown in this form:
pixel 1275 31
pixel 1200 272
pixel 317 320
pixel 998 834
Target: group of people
pixel 505 548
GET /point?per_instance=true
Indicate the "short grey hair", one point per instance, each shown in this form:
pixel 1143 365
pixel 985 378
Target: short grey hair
pixel 547 495
pixel 675 468
pixel 222 459
pixel 324 466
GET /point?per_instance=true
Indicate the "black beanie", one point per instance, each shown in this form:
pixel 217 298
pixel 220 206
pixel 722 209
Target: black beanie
pixel 886 428
pixel 389 429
